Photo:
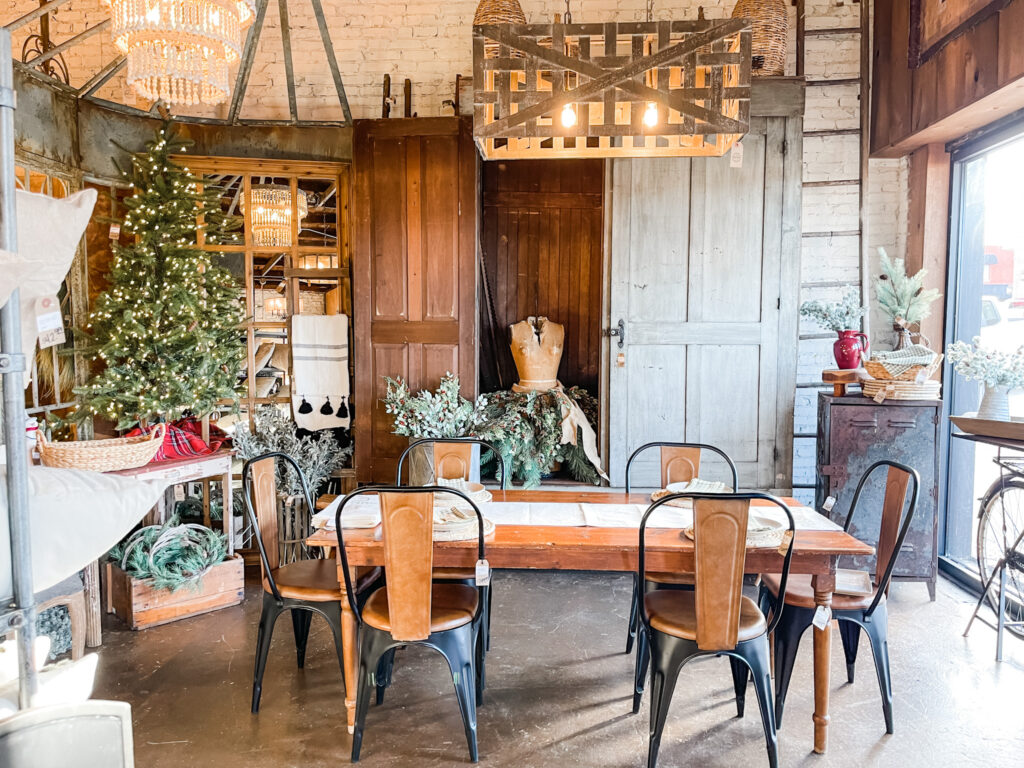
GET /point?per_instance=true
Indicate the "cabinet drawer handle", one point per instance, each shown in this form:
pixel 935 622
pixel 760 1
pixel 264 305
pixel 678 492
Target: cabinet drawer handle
pixel 903 423
pixel 865 423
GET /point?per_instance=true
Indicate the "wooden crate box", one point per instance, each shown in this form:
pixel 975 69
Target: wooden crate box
pixel 140 605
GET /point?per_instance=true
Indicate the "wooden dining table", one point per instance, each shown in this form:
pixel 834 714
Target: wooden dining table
pixel 583 548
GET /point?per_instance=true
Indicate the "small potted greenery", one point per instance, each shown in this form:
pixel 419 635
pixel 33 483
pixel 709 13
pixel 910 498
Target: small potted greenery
pixel 998 371
pixel 903 298
pixel 843 317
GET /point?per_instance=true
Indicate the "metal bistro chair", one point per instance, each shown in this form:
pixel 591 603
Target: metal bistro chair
pixel 853 612
pixel 302 588
pixel 715 619
pixel 680 462
pixel 412 609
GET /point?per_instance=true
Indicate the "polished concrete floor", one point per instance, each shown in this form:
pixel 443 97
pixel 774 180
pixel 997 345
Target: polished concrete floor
pixel 559 693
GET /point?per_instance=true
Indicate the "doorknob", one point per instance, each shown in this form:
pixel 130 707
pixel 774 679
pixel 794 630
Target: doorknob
pixel 618 331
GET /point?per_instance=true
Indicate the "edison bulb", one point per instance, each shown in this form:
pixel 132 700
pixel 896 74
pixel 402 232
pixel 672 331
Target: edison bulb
pixel 651 115
pixel 568 116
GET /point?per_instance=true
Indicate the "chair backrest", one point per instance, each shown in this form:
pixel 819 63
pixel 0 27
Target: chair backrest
pixel 680 462
pixel 894 523
pixel 720 551
pixel 453 458
pixel 407 522
pixel 259 490
pixel 84 734
pixel 407 533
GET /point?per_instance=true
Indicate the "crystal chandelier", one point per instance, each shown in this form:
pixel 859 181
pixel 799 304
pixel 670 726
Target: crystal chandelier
pixel 270 221
pixel 179 50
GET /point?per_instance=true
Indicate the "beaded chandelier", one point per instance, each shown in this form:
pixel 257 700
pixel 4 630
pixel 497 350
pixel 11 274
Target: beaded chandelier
pixel 179 50
pixel 270 221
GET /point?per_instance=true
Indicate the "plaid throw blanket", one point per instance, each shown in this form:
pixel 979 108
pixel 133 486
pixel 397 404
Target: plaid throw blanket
pixel 898 361
pixel 184 440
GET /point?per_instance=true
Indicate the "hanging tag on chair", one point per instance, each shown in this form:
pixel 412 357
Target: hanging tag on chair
pixel 829 503
pixel 483 573
pixel 822 616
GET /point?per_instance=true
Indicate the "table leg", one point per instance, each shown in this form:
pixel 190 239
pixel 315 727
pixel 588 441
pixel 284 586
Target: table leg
pixel 349 649
pixel 823 584
pixel 228 511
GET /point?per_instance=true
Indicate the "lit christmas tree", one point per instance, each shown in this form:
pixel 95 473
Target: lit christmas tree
pixel 168 329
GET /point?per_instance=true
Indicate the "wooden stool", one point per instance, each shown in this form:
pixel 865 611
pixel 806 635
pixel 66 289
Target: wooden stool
pixel 840 379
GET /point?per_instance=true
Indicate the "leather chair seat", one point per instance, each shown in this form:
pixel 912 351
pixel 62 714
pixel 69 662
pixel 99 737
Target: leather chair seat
pixel 674 612
pixel 800 593
pixel 451 606
pixel 671 578
pixel 315 580
pixel 455 574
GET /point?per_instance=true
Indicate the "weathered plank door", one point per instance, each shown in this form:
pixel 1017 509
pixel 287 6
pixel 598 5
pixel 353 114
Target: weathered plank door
pixel 705 262
pixel 414 270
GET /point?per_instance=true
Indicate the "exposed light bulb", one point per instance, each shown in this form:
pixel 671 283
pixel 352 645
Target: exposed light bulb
pixel 569 115
pixel 651 114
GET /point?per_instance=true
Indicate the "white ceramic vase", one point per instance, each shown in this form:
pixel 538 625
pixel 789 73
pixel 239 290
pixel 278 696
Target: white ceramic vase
pixel 995 404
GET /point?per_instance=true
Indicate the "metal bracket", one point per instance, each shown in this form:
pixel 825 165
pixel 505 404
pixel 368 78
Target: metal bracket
pixel 618 331
pixel 11 620
pixel 11 363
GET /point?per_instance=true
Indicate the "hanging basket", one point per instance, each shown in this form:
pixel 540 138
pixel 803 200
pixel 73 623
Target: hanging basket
pixel 770 33
pixel 101 455
pixel 499 12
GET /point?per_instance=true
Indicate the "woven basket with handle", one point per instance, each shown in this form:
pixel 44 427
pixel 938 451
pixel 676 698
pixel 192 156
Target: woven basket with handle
pixel 768 37
pixel 101 455
pixel 499 12
pixel 877 370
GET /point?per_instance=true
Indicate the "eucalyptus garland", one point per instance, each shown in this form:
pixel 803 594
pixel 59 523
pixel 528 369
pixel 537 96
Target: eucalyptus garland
pixel 172 555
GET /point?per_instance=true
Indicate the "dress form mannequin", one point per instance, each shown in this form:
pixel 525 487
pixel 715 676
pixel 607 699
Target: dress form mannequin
pixel 537 350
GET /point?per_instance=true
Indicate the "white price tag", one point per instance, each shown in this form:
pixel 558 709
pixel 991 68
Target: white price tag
pixel 829 503
pixel 179 493
pixel 822 616
pixel 879 396
pixel 49 322
pixel 921 377
pixel 483 573
pixel 115 231
pixel 736 155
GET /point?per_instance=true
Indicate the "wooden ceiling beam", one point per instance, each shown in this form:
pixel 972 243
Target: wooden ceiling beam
pixel 332 60
pixel 289 71
pixel 245 65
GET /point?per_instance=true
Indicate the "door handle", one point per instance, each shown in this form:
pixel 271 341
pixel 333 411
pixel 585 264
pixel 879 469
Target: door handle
pixel 618 331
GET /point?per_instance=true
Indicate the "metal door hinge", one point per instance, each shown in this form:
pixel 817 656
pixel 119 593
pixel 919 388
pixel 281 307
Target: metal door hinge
pixel 618 331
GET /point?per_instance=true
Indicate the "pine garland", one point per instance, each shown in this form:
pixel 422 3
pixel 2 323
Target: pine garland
pixel 171 555
pixel 167 330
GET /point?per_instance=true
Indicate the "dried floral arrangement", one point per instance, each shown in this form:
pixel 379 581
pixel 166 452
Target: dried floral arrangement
pixel 837 316
pixel 440 414
pixel 902 297
pixel 993 367
pixel 317 456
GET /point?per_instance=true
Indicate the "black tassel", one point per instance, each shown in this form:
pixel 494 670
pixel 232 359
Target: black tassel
pixel 305 407
pixel 326 408
pixel 343 409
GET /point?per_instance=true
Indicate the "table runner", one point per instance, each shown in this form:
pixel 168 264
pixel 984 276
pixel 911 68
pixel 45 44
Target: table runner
pixel 364 512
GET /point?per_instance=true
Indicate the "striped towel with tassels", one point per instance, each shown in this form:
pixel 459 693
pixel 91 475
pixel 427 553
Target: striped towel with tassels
pixel 320 382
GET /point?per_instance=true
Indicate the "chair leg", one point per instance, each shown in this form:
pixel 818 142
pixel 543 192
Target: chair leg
pixel 877 631
pixel 457 646
pixel 668 654
pixel 787 643
pixel 643 662
pixel 755 655
pixel 268 617
pixel 849 631
pixel 385 670
pixel 480 649
pixel 300 624
pixel 634 615
pixel 373 644
pixel 740 673
pixel 487 619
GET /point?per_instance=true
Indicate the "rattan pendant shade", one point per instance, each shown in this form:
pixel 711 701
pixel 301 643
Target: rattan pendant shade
pixel 770 22
pixel 499 12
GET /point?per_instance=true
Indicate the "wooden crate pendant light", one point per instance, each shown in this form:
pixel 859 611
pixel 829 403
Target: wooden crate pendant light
pixel 613 89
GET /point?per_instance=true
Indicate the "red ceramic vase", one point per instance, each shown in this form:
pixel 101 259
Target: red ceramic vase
pixel 849 348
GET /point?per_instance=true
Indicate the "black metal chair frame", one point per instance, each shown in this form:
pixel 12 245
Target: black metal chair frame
pixel 670 653
pixel 505 478
pixel 461 647
pixel 274 604
pixel 634 608
pixel 874 620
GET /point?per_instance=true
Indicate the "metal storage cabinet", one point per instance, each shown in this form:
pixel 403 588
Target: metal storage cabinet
pixel 853 433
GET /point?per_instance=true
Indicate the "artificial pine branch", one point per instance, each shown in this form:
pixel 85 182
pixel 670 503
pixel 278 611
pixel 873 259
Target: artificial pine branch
pixel 903 297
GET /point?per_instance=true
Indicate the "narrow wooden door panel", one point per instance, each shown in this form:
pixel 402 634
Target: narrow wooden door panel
pixel 727 382
pixel 414 266
pixel 655 409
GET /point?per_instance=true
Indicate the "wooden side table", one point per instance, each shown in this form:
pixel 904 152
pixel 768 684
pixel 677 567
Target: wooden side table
pixel 171 473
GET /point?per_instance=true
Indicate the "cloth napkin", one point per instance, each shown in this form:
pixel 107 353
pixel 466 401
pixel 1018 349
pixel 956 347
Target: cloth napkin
pixel 898 361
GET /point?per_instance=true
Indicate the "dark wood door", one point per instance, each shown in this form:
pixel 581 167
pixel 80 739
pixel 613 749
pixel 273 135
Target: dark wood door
pixel 414 270
pixel 542 247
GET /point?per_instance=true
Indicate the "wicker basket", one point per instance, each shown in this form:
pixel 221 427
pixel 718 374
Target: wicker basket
pixel 900 390
pixel 768 38
pixel 499 12
pixel 878 371
pixel 101 455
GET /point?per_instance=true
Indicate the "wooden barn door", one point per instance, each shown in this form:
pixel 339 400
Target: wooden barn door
pixel 705 256
pixel 414 270
pixel 541 241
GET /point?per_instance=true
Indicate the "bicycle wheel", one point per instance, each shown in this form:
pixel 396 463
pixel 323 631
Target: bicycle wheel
pixel 999 526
